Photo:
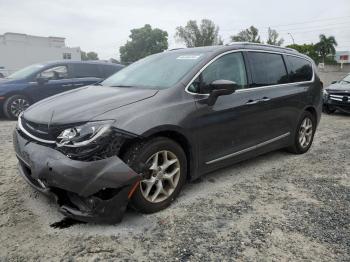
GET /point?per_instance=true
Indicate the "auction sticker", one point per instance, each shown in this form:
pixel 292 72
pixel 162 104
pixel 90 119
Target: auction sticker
pixel 189 57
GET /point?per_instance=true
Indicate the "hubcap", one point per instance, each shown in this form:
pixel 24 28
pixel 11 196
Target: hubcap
pixel 163 177
pixel 305 132
pixel 17 106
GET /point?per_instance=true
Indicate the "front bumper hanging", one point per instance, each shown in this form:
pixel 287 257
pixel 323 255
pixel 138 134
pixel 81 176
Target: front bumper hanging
pixel 95 191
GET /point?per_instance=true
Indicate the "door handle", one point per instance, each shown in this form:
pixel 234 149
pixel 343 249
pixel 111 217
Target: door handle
pixel 252 102
pixel 264 99
pixel 81 84
pixel 67 85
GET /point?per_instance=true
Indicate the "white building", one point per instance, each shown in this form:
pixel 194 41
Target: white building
pixel 342 56
pixel 20 50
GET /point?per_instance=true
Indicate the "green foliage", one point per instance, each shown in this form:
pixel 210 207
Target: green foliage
pixel 89 56
pixel 144 41
pixel 326 46
pixel 250 34
pixel 273 38
pixel 307 49
pixel 206 34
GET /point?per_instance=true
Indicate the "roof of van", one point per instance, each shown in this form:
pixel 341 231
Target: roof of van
pixel 239 45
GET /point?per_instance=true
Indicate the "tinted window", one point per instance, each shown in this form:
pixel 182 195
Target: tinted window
pixel 228 67
pixel 299 69
pixel 267 69
pixel 86 70
pixel 108 70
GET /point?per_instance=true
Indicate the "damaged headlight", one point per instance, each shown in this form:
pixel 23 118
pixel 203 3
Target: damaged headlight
pixel 325 93
pixel 83 135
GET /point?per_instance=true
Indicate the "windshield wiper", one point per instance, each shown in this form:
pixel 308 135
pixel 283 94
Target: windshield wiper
pixel 122 86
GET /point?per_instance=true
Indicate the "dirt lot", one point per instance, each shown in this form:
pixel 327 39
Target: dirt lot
pixel 276 207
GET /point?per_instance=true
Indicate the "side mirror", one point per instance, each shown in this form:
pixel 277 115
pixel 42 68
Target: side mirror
pixel 42 80
pixel 220 88
pixel 334 82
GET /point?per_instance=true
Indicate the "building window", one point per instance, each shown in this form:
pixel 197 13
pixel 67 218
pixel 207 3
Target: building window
pixel 67 56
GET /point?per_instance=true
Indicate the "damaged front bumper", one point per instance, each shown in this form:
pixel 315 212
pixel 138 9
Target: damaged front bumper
pixel 95 191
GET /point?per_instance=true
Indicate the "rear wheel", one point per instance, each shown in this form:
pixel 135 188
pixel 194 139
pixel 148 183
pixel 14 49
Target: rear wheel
pixel 304 134
pixel 15 105
pixel 163 164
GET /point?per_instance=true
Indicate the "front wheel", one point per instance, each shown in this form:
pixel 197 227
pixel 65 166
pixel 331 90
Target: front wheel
pixel 15 105
pixel 164 166
pixel 328 110
pixel 304 134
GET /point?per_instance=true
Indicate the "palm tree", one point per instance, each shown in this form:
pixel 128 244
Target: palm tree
pixel 326 46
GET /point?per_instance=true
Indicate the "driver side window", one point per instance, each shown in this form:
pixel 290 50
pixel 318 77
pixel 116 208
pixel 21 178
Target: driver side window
pixel 55 73
pixel 228 67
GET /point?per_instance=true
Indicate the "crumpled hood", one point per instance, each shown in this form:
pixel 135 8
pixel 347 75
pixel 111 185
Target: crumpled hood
pixel 83 104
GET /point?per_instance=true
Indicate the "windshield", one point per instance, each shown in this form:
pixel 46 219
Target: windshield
pixel 25 72
pixel 158 71
pixel 345 80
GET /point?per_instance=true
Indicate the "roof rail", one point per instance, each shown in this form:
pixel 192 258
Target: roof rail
pixel 173 49
pixel 259 44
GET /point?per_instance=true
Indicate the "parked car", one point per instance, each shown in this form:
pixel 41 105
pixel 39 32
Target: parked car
pixel 163 120
pixel 33 83
pixel 337 96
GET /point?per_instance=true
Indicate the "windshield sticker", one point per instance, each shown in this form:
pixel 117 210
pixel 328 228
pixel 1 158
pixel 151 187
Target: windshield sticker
pixel 189 57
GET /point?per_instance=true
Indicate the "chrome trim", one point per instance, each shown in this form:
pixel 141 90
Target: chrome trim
pixel 30 135
pixel 252 88
pixel 248 149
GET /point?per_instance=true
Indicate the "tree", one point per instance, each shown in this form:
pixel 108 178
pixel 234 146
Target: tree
pixel 326 46
pixel 273 38
pixel 307 49
pixel 206 34
pixel 250 34
pixel 144 41
pixel 89 56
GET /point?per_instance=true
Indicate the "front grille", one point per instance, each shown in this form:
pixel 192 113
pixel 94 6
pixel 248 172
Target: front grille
pixel 340 97
pixel 44 131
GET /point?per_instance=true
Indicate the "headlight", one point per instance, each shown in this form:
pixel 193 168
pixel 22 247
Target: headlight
pixel 84 134
pixel 325 93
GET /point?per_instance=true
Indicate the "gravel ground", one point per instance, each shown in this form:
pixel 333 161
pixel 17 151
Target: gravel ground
pixel 276 207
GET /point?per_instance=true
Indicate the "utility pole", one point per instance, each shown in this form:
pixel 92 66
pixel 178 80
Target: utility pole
pixel 292 38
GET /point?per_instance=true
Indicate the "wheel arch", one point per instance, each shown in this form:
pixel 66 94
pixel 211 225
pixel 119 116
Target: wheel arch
pixel 175 134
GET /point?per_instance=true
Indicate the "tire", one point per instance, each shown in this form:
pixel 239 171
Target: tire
pixel 14 105
pixel 141 157
pixel 328 110
pixel 298 147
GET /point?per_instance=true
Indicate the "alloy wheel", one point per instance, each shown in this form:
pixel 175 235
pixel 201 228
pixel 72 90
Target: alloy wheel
pixel 163 177
pixel 18 105
pixel 305 132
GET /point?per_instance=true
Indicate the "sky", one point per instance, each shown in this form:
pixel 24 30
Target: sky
pixel 103 26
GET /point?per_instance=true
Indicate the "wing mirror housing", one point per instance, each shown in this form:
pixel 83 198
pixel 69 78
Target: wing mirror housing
pixel 42 80
pixel 220 88
pixel 334 82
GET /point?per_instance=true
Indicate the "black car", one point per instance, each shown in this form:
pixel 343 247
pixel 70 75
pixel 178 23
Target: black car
pixel 33 83
pixel 165 119
pixel 337 96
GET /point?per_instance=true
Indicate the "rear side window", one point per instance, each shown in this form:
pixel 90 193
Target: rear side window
pixel 267 69
pixel 86 70
pixel 299 69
